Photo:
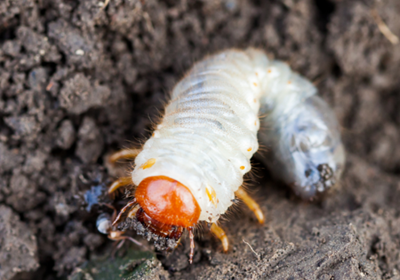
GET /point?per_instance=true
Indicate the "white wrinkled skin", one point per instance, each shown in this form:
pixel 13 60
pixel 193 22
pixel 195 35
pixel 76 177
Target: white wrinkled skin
pixel 300 132
pixel 209 125
pixel 209 130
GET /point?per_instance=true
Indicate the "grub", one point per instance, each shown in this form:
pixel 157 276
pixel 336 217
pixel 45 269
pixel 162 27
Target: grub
pixel 79 81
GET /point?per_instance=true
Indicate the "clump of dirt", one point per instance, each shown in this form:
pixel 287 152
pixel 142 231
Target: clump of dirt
pixel 18 245
pixel 161 243
pixel 79 80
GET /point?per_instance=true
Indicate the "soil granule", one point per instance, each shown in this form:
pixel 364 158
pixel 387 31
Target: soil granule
pixel 79 80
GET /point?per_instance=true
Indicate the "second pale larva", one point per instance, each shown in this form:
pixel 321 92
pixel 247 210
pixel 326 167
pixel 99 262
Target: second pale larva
pixel 193 165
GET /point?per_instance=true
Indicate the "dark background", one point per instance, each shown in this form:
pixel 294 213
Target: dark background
pixel 78 82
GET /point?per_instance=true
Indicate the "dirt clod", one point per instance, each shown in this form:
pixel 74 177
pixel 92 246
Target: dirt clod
pixel 18 245
pixel 90 143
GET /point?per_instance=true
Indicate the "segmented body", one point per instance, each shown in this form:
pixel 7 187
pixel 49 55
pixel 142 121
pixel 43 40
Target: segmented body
pixel 209 131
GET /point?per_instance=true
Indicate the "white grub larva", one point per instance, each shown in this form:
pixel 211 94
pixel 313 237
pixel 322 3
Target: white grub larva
pixel 193 165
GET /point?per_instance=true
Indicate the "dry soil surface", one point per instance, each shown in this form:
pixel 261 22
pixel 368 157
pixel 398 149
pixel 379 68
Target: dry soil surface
pixel 78 81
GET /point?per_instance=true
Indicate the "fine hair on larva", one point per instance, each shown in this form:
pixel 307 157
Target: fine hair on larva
pixel 192 167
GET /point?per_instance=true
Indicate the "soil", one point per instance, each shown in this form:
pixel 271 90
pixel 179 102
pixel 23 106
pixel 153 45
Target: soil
pixel 78 81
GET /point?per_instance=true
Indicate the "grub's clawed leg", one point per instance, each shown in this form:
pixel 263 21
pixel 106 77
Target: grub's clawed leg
pixel 191 236
pixel 114 158
pixel 114 215
pixel 221 235
pixel 124 237
pixel 123 210
pixel 253 206
pixel 113 233
pixel 121 182
pixel 125 154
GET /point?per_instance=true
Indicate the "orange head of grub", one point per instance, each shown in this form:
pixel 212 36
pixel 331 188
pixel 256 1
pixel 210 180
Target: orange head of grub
pixel 166 208
pixel 168 201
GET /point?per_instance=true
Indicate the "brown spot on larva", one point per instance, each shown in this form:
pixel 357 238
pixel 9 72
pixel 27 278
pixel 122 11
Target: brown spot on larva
pixel 249 149
pixel 269 70
pixel 212 195
pixel 242 167
pixel 148 163
pixel 255 84
pixel 256 73
pixel 289 82
pixel 255 100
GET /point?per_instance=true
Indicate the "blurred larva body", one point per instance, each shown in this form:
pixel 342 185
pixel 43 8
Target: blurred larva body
pixel 308 154
pixel 301 133
pixel 193 165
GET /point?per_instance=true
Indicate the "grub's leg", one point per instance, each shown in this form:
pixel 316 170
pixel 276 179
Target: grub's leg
pixel 191 236
pixel 123 155
pixel 123 210
pixel 116 246
pixel 118 235
pixel 121 243
pixel 114 215
pixel 253 206
pixel 221 235
pixel 121 182
pixel 132 213
pixel 123 237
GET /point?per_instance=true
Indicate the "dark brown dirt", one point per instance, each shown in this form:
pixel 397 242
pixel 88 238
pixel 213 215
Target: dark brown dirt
pixel 78 81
